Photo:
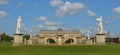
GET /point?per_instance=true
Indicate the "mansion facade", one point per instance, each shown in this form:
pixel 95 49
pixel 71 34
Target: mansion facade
pixel 59 37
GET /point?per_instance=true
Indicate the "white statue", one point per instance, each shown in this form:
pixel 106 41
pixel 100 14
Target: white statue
pixel 19 25
pixel 31 34
pixel 88 34
pixel 100 25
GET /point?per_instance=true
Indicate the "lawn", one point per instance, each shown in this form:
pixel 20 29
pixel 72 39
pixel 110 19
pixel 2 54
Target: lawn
pixel 8 49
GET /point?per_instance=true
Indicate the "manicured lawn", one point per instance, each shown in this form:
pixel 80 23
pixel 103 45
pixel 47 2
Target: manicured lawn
pixel 8 49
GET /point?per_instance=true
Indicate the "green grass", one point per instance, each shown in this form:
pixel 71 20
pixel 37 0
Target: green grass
pixel 8 49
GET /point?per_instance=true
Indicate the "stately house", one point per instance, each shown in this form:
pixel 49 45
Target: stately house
pixel 59 37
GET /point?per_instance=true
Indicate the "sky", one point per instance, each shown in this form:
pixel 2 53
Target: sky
pixel 66 14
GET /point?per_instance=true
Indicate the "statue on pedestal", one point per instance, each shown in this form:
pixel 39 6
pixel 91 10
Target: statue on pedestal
pixel 19 25
pixel 100 36
pixel 100 25
pixel 18 37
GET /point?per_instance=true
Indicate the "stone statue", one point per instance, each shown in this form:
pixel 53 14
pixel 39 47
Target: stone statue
pixel 88 34
pixel 19 25
pixel 100 25
pixel 31 34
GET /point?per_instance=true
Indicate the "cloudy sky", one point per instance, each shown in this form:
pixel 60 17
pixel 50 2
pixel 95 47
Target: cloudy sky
pixel 53 14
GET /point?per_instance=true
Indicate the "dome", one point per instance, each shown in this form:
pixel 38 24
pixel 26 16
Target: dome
pixel 60 29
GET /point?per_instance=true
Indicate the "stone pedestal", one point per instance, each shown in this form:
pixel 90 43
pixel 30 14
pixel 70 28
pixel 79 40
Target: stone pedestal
pixel 18 40
pixel 25 41
pixel 29 42
pixel 89 42
pixel 100 38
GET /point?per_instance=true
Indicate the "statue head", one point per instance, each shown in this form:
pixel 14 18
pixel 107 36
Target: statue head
pixel 20 16
pixel 99 19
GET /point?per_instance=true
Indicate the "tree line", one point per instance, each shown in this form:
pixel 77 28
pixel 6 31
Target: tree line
pixel 6 38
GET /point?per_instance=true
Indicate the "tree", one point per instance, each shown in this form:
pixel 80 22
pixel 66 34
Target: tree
pixel 5 38
pixel 26 36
